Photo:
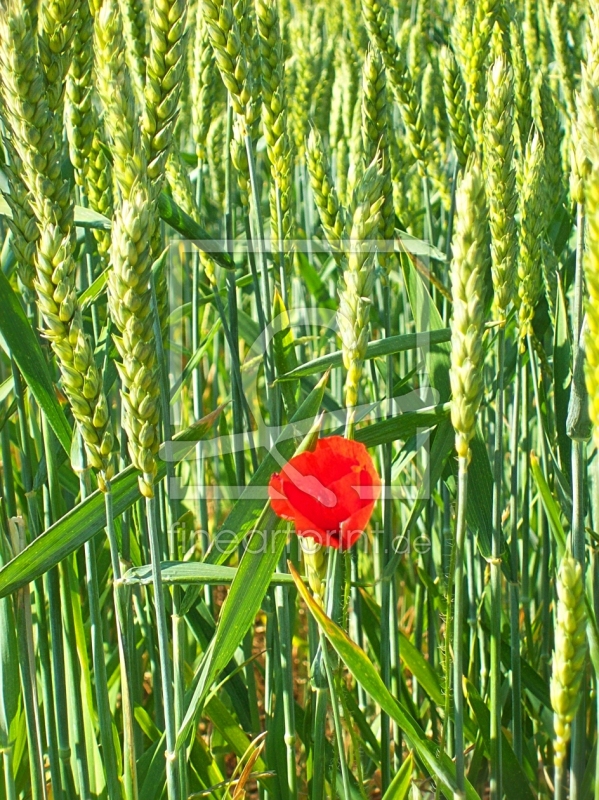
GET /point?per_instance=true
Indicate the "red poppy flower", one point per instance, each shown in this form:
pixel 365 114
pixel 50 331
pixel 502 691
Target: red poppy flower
pixel 329 492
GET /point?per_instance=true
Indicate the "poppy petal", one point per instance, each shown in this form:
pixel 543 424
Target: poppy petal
pixel 280 504
pixel 353 527
pixel 338 447
pixel 321 463
pixel 305 527
pixel 323 516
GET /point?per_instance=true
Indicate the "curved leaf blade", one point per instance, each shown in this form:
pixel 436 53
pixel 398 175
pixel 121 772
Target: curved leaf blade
pixel 18 340
pixel 188 573
pixel 377 349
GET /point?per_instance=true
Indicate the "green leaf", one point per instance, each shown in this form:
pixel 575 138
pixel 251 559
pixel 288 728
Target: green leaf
pixel 146 723
pixel 177 218
pixel 91 294
pixel 417 247
pixel 154 776
pixel 6 388
pixel 194 361
pixel 441 448
pixel 427 319
pixel 399 788
pixel 366 733
pixel 403 426
pixel 249 330
pixel 358 663
pixel 421 670
pixel 531 680
pixel 314 284
pixel 284 352
pixel 81 523
pixel 229 729
pixel 10 687
pixel 562 375
pixel 18 340
pixel 549 504
pixel 239 609
pixel 249 586
pixel 187 573
pixel 88 218
pixel 7 413
pixel 479 504
pixel 377 349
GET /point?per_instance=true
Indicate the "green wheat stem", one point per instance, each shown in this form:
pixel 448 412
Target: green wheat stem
pixel 428 209
pixel 52 590
pixel 197 382
pixel 130 785
pixel 495 672
pixel 173 546
pixel 99 667
pixel 58 683
pixel 40 603
pixel 286 654
pixel 337 724
pixel 514 598
pixel 28 686
pixel 36 760
pixel 578 533
pixel 172 765
pixel 71 665
pixel 458 625
pixel 545 596
pixel 96 632
pixel 258 241
pixel 386 588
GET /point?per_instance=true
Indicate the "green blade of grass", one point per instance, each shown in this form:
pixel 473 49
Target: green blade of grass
pixel 402 426
pixel 250 584
pixel 239 610
pixel 399 788
pixel 187 573
pixel 378 349
pixel 18 340
pixel 177 218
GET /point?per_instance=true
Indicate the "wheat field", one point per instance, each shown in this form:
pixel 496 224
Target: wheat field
pixel 299 399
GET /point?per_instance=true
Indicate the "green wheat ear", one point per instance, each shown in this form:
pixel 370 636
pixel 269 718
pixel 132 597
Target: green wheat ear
pixel 569 653
pixel 275 124
pixel 501 184
pixel 332 214
pixel 532 225
pixel 355 295
pixel 469 275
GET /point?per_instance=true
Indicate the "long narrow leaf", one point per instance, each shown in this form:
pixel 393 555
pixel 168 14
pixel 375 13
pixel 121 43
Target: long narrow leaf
pixel 377 349
pixel 18 340
pixel 187 573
